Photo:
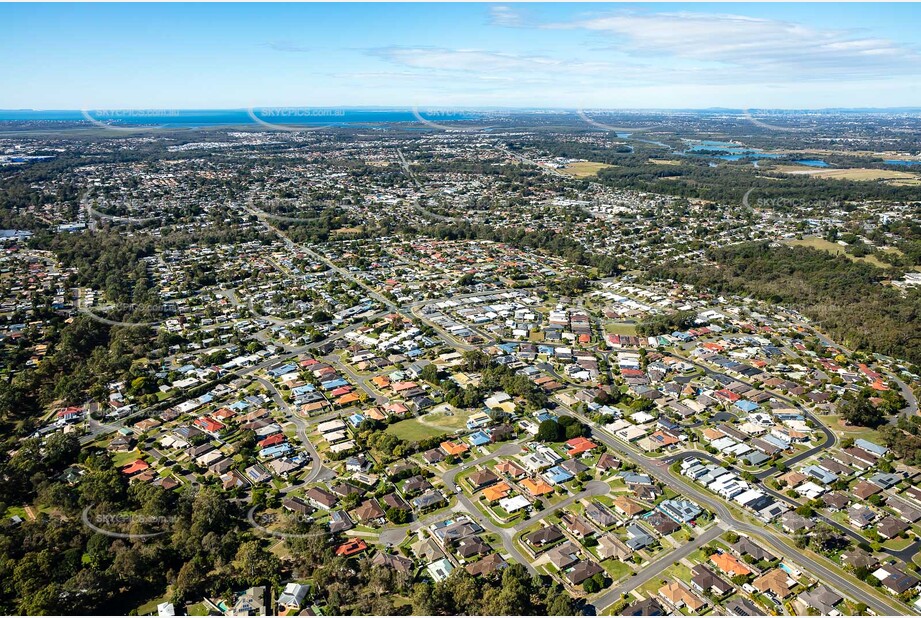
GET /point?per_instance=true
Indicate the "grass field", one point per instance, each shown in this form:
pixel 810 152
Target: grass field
pixel 851 173
pixel 898 544
pixel 664 162
pixel 620 328
pixel 835 249
pixel 412 430
pixel 123 459
pixel 447 419
pixel 584 169
pixel 151 606
pixel 617 569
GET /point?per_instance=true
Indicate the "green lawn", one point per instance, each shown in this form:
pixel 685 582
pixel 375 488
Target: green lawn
pixel 151 606
pixel 123 459
pixel 682 536
pixel 412 430
pixel 12 511
pixel 843 431
pixel 447 421
pixel 898 544
pixel 620 328
pixel 617 569
pixel 679 571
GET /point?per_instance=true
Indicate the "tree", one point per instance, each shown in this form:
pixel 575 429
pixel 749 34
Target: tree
pixel 256 565
pixel 561 605
pixel 592 585
pixel 429 373
pixel 550 431
pixel 61 449
pixel 857 410
pixel 826 538
pixel 398 516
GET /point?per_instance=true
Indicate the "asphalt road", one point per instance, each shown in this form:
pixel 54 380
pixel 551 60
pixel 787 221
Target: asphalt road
pixel 830 438
pixel 97 429
pixel 910 409
pixel 903 554
pixel 659 470
pixel 614 595
pixel 316 466
pixel 506 534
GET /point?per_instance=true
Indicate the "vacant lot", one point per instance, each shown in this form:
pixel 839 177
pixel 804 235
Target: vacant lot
pixel 583 169
pixel 412 430
pixel 835 423
pixel 620 328
pixel 446 418
pixel 440 421
pixel 835 249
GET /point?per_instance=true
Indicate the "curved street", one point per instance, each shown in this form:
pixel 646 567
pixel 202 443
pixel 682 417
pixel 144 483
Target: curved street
pixel 781 546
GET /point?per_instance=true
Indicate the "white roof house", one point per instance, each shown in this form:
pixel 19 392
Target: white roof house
pixel 293 595
pixel 515 504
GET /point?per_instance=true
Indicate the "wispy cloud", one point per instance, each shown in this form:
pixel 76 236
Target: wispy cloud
pixel 288 47
pixel 749 47
pixel 661 58
pixel 476 60
pixel 669 49
pixel 502 15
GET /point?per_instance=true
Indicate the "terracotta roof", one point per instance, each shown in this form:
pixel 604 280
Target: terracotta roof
pixel 536 488
pixel 496 492
pixel 729 564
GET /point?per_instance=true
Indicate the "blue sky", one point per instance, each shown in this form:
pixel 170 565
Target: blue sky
pixel 171 56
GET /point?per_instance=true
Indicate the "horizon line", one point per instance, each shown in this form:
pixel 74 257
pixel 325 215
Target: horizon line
pixel 462 108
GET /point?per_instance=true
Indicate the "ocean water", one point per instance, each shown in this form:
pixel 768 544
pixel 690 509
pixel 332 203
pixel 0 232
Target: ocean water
pixel 286 116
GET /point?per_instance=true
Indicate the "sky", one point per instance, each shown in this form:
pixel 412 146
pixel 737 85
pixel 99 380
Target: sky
pixel 514 55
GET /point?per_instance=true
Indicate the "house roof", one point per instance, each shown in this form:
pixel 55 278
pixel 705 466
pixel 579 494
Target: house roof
pixel 486 565
pixel 774 581
pixel 392 561
pixel 481 478
pixel 821 598
pixel 729 564
pixel 707 579
pixel 453 448
pixel 368 510
pixel 138 465
pixel 564 555
pixel 352 547
pixel 646 607
pixel 582 571
pixel 579 445
pixel 536 487
pixel 510 468
pixel 496 492
pixel 678 595
pixel 745 546
pixel 628 506
pixel 547 534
